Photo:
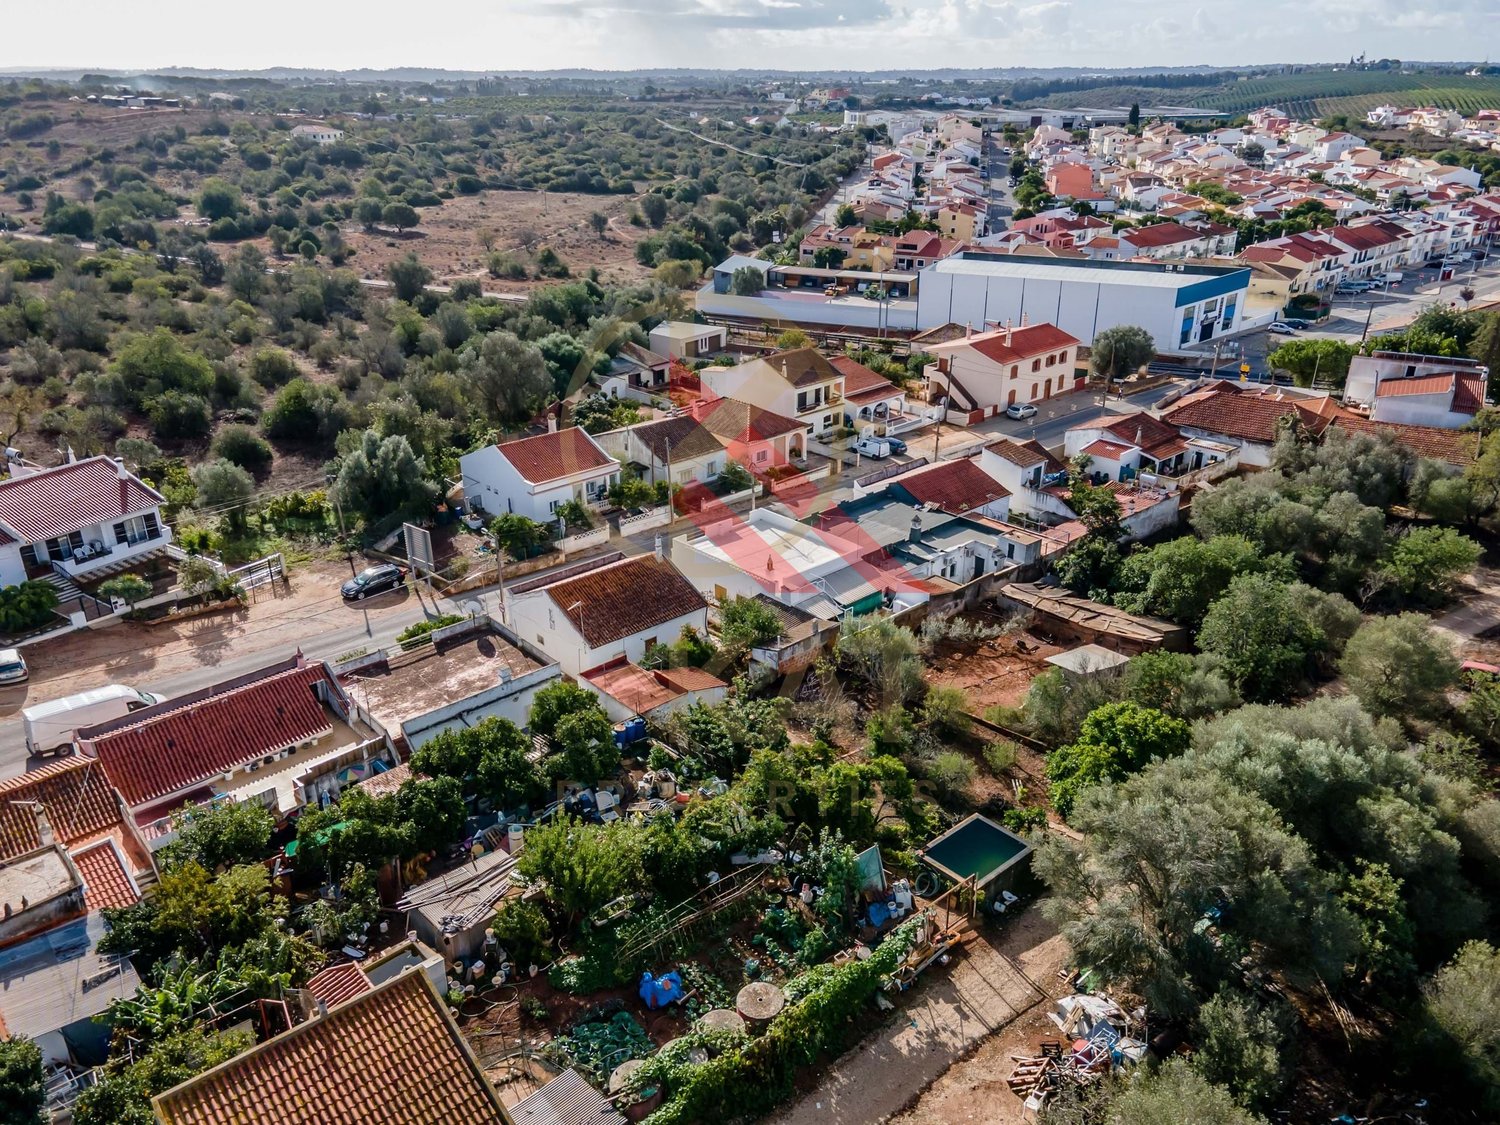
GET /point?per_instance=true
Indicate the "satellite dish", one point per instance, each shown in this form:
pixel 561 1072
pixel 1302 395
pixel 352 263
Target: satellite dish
pixel 473 607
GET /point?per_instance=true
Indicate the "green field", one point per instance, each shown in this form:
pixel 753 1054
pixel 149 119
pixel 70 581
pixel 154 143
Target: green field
pixel 1309 95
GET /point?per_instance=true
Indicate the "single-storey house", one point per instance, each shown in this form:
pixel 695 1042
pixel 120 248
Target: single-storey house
pixel 535 476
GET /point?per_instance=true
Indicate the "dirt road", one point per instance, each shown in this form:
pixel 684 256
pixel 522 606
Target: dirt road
pixel 947 1016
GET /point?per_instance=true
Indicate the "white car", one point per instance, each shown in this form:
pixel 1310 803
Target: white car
pixel 1020 410
pixel 13 668
pixel 1282 328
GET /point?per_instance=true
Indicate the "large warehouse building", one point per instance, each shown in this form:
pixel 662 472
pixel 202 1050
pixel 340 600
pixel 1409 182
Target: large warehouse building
pixel 1179 303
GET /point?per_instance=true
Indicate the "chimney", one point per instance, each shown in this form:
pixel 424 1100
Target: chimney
pixel 661 547
pixel 1138 432
pixel 43 825
pixel 915 534
pixel 124 475
pixel 1007 333
pixel 968 329
pixel 552 421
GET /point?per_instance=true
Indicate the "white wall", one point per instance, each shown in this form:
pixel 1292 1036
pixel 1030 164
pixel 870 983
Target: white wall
pixel 12 569
pixel 535 617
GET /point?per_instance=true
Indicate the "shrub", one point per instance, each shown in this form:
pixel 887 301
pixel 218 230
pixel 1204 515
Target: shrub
pixel 952 773
pixel 423 628
pixel 272 367
pixel 244 447
pixel 176 416
pixel 26 606
pixel 1001 755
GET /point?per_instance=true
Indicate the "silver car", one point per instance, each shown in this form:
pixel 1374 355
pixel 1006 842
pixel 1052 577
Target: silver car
pixel 13 668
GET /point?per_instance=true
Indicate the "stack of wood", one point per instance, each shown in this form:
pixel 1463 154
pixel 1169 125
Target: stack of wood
pixel 1033 1077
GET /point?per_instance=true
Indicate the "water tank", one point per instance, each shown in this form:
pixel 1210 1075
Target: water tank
pixel 515 836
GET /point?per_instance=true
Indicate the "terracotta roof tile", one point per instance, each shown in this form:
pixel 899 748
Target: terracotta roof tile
pixel 625 598
pixel 69 498
pixel 1024 454
pixel 553 456
pixel 1454 447
pixel 1159 234
pixel 338 983
pixel 106 884
pixel 175 745
pixel 76 795
pixel 956 486
pixel 1022 343
pixel 390 1056
pixel 673 438
pixel 735 421
pixel 1246 415
pixel 1436 384
pixel 1112 450
pixel 801 367
pixel 860 382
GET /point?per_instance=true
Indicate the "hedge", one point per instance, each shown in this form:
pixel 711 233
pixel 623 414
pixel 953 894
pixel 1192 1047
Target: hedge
pixel 755 1078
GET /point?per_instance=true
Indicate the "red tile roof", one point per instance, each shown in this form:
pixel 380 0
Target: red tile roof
pixel 178 744
pixel 1009 345
pixel 76 795
pixel 956 486
pixel 860 383
pixel 1468 395
pixel 623 599
pixel 734 421
pixel 677 437
pixel 801 367
pixel 69 498
pixel 1159 234
pixel 1112 450
pixel 338 983
pixel 390 1056
pixel 1151 435
pixel 1024 454
pixel 106 885
pixel 1250 416
pixel 1437 384
pixel 1455 447
pixel 548 457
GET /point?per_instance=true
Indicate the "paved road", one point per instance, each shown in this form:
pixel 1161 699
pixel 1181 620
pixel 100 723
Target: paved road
pixel 356 629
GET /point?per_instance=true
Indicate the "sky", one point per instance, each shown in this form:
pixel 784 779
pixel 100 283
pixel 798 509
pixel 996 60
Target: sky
pixel 791 34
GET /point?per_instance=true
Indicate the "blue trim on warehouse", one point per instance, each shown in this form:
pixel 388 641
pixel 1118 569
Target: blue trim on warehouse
pixel 1213 287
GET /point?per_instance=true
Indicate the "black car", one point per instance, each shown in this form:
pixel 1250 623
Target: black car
pixel 372 581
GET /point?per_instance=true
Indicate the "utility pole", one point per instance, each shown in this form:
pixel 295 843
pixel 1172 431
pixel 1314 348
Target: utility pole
pixel 1368 317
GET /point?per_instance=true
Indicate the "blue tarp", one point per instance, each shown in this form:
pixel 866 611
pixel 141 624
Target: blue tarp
pixel 660 991
pixel 878 914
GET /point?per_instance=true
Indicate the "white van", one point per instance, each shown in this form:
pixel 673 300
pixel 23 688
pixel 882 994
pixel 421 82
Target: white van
pixel 50 725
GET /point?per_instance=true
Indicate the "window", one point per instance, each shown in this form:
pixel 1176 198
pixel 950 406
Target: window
pixel 1051 359
pixel 760 456
pixel 553 505
pixel 1015 370
pixel 1036 365
pixel 28 556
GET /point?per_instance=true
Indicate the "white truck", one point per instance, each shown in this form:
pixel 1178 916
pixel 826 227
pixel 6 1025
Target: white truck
pixel 875 448
pixel 50 725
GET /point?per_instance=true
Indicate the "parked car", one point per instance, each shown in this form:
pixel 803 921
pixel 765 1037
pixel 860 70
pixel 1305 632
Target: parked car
pixel 1282 328
pixel 372 581
pixel 896 444
pixel 13 668
pixel 49 726
pixel 874 448
pixel 1020 410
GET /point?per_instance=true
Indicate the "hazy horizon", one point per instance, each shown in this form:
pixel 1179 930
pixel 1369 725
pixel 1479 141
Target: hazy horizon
pixel 813 35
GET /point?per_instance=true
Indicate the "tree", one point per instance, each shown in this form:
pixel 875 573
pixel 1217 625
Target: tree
pixel 1134 118
pixel 272 367
pixel 382 476
pixel 408 277
pixel 123 1096
pixel 1095 559
pixel 747 622
pixel 557 701
pixel 1239 1047
pixel 152 363
pixel 1175 1093
pixel 1424 566
pixel 1121 351
pixel 1399 666
pixel 219 836
pixel 128 588
pixel 845 216
pixel 23 1086
pixel 792 339
pixel 586 740
pixel 679 273
pixel 747 281
pixel 1463 1004
pixel 507 377
pixel 598 223
pixel 402 216
pixel 368 211
pixel 224 488
pixel 654 207
pixel 1309 360
pixel 490 759
pixel 1263 641
pixel 219 199
pixel 1467 294
pixel 1181 578
pixel 522 931
pixel 883 654
pixel 582 867
pixel 1115 741
pixel 176 416
pixel 520 537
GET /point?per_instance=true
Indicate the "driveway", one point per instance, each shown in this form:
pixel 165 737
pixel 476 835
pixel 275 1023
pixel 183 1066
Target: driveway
pixel 936 1025
pixel 1477 614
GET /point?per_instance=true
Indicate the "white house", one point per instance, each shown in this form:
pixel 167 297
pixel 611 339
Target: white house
pixel 86 519
pixel 317 134
pixel 535 476
pixel 1417 390
pixel 797 384
pixel 982 373
pixel 592 614
pixel 680 450
pixel 680 339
